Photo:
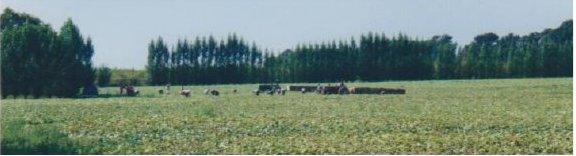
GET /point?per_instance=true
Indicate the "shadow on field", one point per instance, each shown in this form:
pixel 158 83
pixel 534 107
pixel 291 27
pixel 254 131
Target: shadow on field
pixel 22 138
pixel 116 96
pixel 85 97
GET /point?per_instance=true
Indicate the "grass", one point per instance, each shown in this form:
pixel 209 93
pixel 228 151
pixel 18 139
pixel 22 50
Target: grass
pixel 508 116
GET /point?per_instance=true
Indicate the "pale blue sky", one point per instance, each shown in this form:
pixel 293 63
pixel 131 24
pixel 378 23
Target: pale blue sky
pixel 121 30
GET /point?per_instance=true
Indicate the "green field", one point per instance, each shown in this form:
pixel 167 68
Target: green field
pixel 507 116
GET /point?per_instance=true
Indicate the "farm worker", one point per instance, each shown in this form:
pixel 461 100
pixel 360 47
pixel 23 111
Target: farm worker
pixel 168 88
pixel 342 88
pixel 122 86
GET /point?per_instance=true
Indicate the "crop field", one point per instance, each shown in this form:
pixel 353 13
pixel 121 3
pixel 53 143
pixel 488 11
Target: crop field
pixel 504 116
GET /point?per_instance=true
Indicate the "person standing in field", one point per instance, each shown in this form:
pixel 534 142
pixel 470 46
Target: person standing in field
pixel 342 89
pixel 122 87
pixel 168 88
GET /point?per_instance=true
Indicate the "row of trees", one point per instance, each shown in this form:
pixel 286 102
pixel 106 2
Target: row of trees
pixel 540 54
pixel 375 57
pixel 204 61
pixel 37 61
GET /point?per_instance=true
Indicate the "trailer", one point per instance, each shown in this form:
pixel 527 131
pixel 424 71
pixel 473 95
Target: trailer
pixel 368 90
pixel 300 88
pixel 268 87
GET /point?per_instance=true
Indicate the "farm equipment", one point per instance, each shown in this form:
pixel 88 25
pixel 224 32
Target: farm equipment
pixel 367 90
pixel 269 89
pixel 329 89
pixel 342 89
pixel 333 90
pixel 301 88
pixel 128 90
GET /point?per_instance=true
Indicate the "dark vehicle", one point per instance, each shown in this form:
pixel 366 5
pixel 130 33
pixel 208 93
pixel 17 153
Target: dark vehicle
pixel 268 87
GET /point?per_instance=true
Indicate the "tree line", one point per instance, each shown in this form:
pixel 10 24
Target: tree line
pixel 37 61
pixel 375 57
pixel 204 61
pixel 539 54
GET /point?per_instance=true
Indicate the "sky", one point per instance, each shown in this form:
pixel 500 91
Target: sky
pixel 121 30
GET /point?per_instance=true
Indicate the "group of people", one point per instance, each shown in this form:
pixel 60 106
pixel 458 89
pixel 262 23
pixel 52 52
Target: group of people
pixel 187 92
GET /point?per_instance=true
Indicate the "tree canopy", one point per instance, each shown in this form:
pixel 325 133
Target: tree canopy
pixel 375 57
pixel 37 61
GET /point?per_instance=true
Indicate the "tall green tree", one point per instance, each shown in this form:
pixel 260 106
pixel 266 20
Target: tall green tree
pixel 71 60
pixel 39 62
pixel 158 62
